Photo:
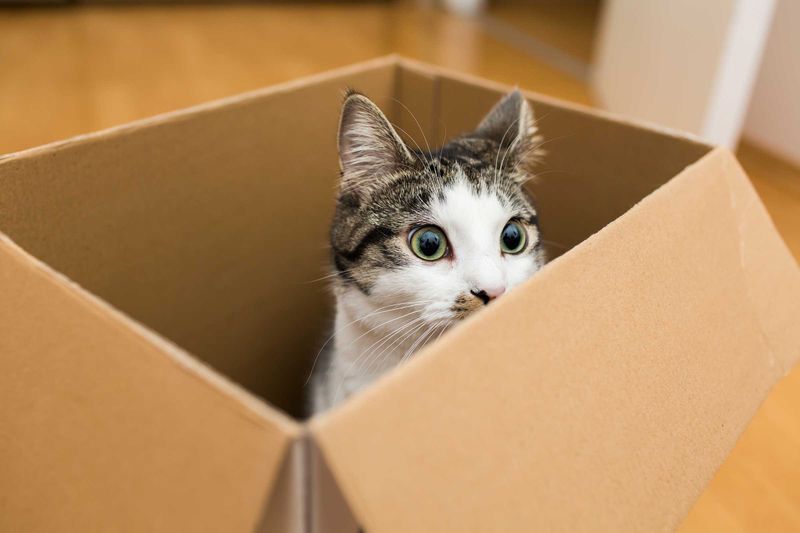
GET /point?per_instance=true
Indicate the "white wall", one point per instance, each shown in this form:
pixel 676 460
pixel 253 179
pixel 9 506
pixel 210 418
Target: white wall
pixel 773 120
pixel 686 64
pixel 657 60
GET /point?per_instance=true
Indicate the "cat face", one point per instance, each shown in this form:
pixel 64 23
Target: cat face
pixel 433 237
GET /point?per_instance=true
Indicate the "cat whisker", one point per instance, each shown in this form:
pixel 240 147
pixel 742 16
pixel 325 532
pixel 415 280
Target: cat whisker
pixel 414 306
pixel 365 333
pixel 444 320
pixel 439 336
pixel 444 138
pixel 511 148
pixel 389 347
pixel 427 160
pixel 528 152
pixel 326 277
pixel 539 119
pixel 422 132
pixel 360 357
pixel 500 148
pixel 551 171
pixel 409 337
pixel 420 342
pixel 556 244
pixel 548 141
pixel 380 310
pixel 413 348
pixel 538 147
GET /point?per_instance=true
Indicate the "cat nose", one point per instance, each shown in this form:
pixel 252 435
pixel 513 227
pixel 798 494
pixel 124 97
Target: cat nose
pixel 487 296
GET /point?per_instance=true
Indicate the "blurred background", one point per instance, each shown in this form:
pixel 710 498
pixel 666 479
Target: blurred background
pixel 725 70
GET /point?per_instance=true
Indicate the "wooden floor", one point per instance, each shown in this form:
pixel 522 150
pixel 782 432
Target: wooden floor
pixel 71 70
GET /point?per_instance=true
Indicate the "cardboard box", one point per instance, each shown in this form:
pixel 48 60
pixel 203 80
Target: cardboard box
pixel 140 265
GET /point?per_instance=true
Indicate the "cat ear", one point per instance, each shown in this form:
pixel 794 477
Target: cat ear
pixel 369 147
pixel 511 125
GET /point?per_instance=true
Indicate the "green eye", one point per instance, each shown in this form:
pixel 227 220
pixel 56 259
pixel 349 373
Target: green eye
pixel 429 243
pixel 513 238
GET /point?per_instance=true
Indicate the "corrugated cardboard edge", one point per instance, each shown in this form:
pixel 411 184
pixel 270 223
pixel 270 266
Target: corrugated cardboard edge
pixel 255 409
pixel 247 406
pixel 763 257
pixel 205 107
pixel 415 66
pixel 328 510
pixel 751 211
pixel 184 360
pixel 288 510
pixel 424 68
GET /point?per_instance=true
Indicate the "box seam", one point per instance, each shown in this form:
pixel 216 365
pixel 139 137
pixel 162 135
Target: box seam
pixel 180 114
pixel 732 171
pixel 357 505
pixel 255 410
pixel 456 75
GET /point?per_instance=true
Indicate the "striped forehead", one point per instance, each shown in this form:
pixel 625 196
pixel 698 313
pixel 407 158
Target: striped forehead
pixel 469 214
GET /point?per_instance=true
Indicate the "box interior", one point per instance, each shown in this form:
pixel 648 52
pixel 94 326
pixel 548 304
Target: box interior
pixel 210 226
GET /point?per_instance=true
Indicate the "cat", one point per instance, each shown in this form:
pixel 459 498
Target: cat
pixel 422 239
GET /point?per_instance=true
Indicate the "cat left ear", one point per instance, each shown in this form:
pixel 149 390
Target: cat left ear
pixel 511 125
pixel 369 147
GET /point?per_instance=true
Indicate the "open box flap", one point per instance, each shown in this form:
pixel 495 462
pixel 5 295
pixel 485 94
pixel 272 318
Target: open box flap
pixel 107 425
pixel 329 511
pixel 770 271
pixel 589 154
pixel 602 394
pixel 180 221
pixel 287 510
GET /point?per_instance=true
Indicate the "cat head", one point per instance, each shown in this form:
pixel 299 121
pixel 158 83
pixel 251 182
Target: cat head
pixel 438 234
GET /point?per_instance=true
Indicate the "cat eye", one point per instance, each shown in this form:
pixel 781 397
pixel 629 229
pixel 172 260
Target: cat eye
pixel 513 238
pixel 428 243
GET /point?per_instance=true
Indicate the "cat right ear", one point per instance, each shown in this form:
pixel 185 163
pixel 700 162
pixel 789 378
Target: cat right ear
pixel 511 125
pixel 370 150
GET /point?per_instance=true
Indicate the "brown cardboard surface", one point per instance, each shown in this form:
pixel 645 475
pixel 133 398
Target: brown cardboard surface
pixel 773 284
pixel 414 108
pixel 595 168
pixel 600 396
pixel 328 509
pixel 286 510
pixel 180 222
pixel 104 427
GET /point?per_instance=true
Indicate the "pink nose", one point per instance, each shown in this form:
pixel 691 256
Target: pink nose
pixel 487 295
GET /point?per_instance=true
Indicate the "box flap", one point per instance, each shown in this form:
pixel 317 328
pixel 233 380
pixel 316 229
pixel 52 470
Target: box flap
pixel 287 511
pixel 602 394
pixel 328 508
pixel 180 221
pixel 769 270
pixel 595 167
pixel 107 427
pixel 414 108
